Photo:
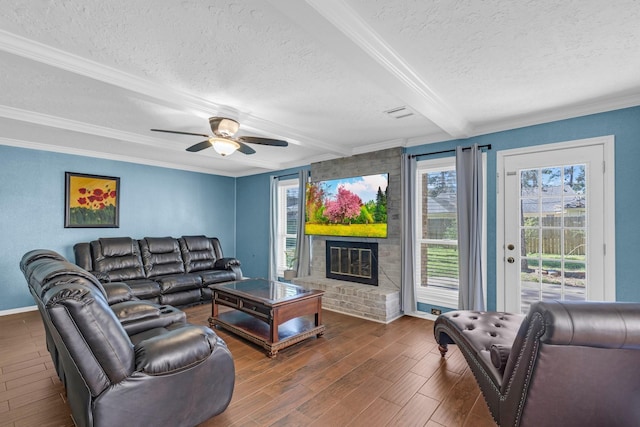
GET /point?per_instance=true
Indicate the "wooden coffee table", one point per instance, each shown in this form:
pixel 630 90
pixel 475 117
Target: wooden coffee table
pixel 271 314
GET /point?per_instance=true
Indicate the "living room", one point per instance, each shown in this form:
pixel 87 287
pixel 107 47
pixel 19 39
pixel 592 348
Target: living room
pixel 159 198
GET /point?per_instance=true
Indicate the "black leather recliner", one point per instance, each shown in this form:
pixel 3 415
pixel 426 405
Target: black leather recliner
pixel 163 371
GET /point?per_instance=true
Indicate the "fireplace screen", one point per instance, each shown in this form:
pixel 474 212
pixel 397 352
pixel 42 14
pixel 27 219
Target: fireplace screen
pixel 353 261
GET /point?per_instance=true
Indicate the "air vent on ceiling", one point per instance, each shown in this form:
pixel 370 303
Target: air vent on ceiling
pixel 399 112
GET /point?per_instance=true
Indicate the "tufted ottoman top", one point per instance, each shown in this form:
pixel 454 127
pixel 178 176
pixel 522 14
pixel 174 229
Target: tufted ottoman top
pixel 479 331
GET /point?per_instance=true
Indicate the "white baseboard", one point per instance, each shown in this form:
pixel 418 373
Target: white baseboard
pixel 362 317
pixel 18 310
pixel 422 315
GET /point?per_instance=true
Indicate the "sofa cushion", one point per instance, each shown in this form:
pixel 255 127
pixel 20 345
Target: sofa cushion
pixel 182 298
pixel 118 257
pixel 144 288
pixel 179 282
pixel 216 276
pixel 161 256
pixel 198 253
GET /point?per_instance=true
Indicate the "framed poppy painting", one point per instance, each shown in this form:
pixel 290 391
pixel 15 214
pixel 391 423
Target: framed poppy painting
pixel 91 201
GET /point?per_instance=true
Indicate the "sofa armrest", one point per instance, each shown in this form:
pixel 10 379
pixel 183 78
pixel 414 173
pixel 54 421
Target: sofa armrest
pixel 590 324
pixel 226 263
pixel 82 252
pixel 118 292
pixel 175 350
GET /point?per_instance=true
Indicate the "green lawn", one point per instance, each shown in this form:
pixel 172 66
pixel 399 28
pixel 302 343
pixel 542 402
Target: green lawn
pixel 553 261
pixel 357 230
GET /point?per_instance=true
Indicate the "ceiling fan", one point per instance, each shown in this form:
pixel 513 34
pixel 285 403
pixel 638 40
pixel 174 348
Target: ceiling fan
pixel 223 141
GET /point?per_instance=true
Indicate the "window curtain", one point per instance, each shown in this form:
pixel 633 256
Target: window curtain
pixel 408 298
pixel 303 242
pixel 469 196
pixel 273 228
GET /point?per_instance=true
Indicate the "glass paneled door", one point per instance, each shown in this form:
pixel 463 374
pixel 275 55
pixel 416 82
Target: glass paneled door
pixel 554 210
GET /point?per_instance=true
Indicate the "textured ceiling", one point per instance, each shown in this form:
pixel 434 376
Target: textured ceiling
pixel 93 77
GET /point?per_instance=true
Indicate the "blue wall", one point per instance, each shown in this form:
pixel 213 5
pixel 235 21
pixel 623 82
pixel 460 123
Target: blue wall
pixel 625 126
pixel 158 201
pixel 252 234
pixel 153 202
pixel 253 200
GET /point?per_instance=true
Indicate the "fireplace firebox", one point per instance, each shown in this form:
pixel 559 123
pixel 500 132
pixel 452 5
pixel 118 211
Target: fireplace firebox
pixel 352 261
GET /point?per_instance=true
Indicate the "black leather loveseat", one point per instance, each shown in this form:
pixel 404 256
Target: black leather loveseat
pixel 164 270
pixel 123 361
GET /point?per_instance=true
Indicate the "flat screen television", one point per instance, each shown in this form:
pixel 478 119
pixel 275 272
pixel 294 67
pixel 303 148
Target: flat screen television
pixel 348 207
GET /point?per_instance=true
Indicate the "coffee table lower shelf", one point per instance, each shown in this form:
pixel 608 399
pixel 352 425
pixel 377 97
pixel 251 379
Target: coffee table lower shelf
pixel 257 331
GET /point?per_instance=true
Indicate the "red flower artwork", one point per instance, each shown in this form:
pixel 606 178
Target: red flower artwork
pixel 92 201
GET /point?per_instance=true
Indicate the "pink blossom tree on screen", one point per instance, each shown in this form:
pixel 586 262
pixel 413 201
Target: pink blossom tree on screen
pixel 344 208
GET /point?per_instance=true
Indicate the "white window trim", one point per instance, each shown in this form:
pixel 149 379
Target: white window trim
pixel 283 186
pixel 443 297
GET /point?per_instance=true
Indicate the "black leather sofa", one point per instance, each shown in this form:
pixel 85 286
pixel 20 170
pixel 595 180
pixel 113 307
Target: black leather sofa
pixel 163 270
pixel 123 361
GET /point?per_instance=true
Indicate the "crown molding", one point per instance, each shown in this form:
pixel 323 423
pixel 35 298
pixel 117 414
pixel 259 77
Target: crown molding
pixel 602 105
pixel 164 95
pixel 42 119
pixel 107 156
pixel 81 127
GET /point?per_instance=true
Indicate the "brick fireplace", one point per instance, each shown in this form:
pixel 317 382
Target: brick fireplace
pixel 380 303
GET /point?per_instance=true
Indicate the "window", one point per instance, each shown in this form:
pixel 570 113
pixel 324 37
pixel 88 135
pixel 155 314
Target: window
pixel 436 233
pixel 288 192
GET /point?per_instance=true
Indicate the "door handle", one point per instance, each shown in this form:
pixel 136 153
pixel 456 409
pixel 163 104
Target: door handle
pixel 511 260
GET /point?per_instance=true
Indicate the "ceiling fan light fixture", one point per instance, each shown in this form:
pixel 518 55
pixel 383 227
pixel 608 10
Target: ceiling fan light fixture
pixel 224 147
pixel 223 126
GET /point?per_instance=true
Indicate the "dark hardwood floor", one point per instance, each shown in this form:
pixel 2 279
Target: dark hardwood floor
pixel 359 373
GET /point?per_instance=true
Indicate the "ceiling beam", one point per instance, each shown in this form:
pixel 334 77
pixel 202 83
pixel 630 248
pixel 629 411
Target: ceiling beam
pixel 361 47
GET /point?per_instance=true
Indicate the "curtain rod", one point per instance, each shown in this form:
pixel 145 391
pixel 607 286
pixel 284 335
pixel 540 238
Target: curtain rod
pixel 487 146
pixel 282 176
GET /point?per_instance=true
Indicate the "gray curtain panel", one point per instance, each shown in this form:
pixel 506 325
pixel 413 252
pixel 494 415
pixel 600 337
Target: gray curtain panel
pixel 469 190
pixel 303 242
pixel 408 291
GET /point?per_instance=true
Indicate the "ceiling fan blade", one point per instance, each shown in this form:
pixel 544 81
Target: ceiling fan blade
pixel 199 146
pixel 181 133
pixel 264 141
pixel 245 149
